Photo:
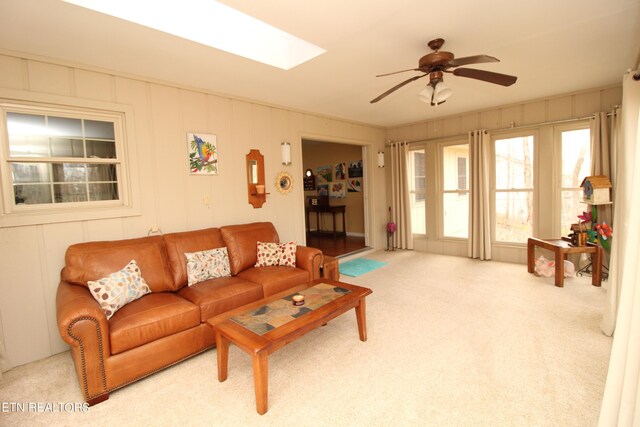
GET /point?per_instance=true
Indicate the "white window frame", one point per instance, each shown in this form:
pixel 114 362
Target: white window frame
pixel 442 191
pixel 533 190
pixel 121 115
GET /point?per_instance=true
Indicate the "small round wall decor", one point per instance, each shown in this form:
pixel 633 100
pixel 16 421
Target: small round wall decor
pixel 284 182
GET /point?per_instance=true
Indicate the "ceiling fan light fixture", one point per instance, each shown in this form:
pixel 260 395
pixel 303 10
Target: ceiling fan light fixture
pixel 426 94
pixel 441 93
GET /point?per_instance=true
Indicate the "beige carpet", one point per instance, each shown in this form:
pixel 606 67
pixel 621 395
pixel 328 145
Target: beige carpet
pixel 452 341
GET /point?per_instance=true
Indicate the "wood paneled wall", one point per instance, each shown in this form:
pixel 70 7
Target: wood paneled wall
pixel 31 256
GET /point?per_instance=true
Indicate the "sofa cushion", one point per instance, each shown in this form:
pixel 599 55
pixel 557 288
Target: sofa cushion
pixel 242 240
pixel 119 289
pixel 276 254
pixel 205 265
pixel 219 295
pixel 95 260
pixel 149 318
pixel 275 279
pixel 189 241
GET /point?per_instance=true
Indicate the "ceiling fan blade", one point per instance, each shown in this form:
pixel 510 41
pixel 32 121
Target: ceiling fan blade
pixel 476 59
pixel 396 87
pixel 487 76
pixel 398 72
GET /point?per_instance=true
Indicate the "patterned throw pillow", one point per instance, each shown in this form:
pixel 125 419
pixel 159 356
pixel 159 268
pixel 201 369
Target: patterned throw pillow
pixel 270 254
pixel 118 289
pixel 207 265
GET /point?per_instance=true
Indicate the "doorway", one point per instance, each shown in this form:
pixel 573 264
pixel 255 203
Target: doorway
pixel 334 197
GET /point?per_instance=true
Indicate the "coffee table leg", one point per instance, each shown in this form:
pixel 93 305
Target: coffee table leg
pixel 361 316
pixel 222 350
pixel 261 381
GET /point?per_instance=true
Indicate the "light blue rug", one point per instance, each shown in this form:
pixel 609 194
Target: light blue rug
pixel 359 266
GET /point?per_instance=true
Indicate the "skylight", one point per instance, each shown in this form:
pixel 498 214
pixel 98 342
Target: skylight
pixel 213 24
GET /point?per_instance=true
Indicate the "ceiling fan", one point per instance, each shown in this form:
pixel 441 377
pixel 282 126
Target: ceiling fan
pixel 436 63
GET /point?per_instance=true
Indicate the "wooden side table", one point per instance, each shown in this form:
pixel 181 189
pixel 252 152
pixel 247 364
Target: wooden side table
pixel 561 248
pixel 330 268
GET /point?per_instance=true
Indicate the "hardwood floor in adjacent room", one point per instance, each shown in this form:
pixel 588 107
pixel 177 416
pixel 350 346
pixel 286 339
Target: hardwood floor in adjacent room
pixel 335 246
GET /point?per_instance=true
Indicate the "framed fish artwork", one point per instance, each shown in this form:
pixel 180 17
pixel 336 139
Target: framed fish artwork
pixel 203 153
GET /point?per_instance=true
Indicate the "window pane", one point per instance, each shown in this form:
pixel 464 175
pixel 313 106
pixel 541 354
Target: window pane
pixel 571 208
pixel 101 149
pixel 69 172
pixel 99 130
pixel 514 222
pixel 30 172
pixel 66 147
pixel 456 214
pixel 514 163
pixel 103 191
pixel 32 194
pixel 66 193
pixel 576 157
pixel 65 127
pixel 463 175
pixel 417 181
pixel 101 173
pixel 454 166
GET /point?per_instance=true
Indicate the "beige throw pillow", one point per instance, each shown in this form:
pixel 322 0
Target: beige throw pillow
pixel 118 289
pixel 205 265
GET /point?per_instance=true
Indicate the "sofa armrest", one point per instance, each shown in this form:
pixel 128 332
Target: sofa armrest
pixel 309 259
pixel 83 325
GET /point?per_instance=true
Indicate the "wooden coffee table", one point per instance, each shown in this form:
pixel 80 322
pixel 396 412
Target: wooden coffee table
pixel 264 326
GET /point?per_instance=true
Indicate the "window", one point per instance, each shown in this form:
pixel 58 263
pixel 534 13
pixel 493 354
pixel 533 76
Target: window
pixel 61 159
pixel 455 193
pixel 417 183
pixel 513 189
pixel 576 164
pixel 63 163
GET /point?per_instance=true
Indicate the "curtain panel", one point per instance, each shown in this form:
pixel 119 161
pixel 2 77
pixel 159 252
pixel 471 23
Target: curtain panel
pixel 621 400
pixel 479 244
pixel 400 198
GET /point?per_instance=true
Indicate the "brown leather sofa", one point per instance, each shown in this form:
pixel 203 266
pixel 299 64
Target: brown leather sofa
pixel 167 325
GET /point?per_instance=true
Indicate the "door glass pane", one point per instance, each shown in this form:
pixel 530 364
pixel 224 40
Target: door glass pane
pixel 454 166
pixel 576 157
pixel 514 222
pixel 514 163
pixel 576 164
pixel 456 214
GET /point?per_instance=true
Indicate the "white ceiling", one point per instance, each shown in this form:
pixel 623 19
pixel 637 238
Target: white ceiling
pixel 553 46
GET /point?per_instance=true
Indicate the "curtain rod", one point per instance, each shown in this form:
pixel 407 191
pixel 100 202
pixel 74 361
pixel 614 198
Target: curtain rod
pixel 612 113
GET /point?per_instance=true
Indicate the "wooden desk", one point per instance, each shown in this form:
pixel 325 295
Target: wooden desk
pixel 333 210
pixel 561 248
